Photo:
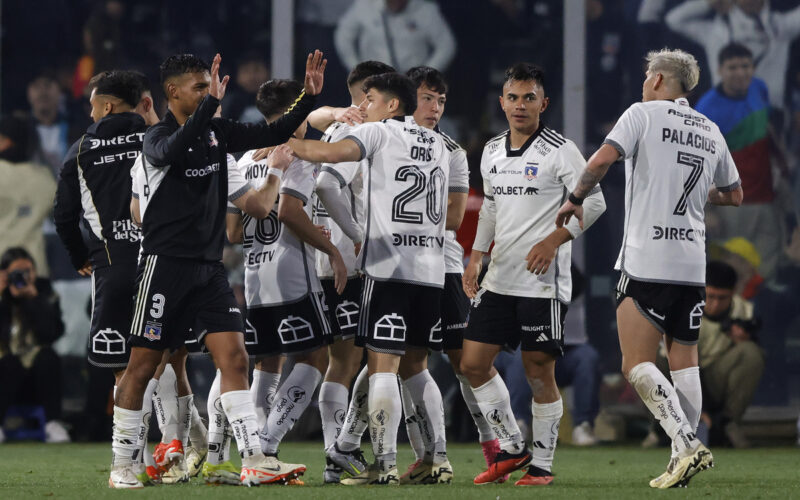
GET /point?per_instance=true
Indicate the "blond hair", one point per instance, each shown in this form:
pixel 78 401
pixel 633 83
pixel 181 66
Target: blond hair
pixel 679 64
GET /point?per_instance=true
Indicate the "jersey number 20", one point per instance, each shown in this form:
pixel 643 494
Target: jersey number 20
pixel 434 185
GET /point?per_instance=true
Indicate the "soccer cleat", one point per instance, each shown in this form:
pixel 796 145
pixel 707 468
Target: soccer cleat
pixel 177 473
pixel 333 473
pixel 583 435
pixel 412 475
pixel 270 470
pixel 224 473
pixel 351 462
pixel 441 473
pixel 490 450
pixel 167 453
pixel 421 473
pixel 504 463
pixel 656 482
pixel 686 467
pixel 142 475
pixel 195 457
pixel 535 477
pixel 153 474
pixel 124 477
pixel 373 475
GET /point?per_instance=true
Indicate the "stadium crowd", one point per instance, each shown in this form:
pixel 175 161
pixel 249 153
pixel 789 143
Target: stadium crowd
pixel 749 55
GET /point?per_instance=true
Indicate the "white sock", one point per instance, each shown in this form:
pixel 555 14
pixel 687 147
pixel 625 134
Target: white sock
pixel 544 427
pixel 495 404
pixel 242 416
pixel 291 400
pixel 185 404
pixel 485 432
pixel 144 423
pixel 357 418
pixel 690 394
pixel 384 418
pixel 421 445
pixel 124 436
pixel 165 400
pixel 661 399
pixel 430 414
pixel 216 425
pixel 332 408
pixel 198 434
pixel 263 391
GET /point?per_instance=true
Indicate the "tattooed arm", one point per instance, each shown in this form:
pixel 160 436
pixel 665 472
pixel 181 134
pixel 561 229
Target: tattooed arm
pixel 595 170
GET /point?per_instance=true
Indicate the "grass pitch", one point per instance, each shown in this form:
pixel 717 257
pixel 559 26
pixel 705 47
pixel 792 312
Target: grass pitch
pixel 33 470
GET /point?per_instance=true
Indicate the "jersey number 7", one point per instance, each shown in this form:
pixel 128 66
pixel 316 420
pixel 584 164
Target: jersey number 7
pixel 696 162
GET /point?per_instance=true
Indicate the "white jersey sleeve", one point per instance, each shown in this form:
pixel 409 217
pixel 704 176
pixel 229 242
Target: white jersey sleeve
pixel 569 167
pixel 459 183
pixel 484 235
pixel 137 172
pixel 298 180
pixel 370 137
pixel 726 177
pixel 625 135
pixel 237 184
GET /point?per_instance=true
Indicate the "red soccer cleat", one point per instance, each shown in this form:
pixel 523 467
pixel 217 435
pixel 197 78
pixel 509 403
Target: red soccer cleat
pixel 165 454
pixel 535 477
pixel 504 463
pixel 490 451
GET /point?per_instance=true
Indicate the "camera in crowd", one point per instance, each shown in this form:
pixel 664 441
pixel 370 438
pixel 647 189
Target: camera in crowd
pixel 19 278
pixel 751 326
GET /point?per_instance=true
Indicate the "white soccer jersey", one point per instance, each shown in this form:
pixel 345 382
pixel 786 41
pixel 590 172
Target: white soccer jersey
pixel 351 182
pixel 406 185
pixel 673 154
pixel 524 189
pixel 459 183
pixel 278 266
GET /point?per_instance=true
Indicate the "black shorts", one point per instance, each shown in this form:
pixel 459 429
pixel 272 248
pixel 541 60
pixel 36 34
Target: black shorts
pixel 343 308
pixel 506 320
pixel 292 328
pixel 455 311
pixel 113 293
pixel 395 315
pixel 675 310
pixel 174 295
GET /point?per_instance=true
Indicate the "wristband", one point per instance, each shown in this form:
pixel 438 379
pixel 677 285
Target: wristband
pixel 572 199
pixel 276 172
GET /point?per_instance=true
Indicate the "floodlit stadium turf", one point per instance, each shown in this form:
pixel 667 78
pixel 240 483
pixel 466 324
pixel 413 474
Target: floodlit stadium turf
pixel 30 470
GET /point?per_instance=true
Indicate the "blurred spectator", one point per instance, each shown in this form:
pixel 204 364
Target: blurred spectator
pixel 240 102
pixel 766 33
pixel 731 363
pixel 30 321
pixel 26 192
pixel 745 260
pixel 53 127
pixel 739 106
pixel 401 33
pixel 102 44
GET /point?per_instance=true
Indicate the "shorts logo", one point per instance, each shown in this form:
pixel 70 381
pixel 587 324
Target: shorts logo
pixel 391 327
pixel 531 170
pixel 495 416
pixel 436 332
pixel 476 301
pixel 542 338
pixel 659 394
pixel 657 316
pixel 294 329
pixel 379 417
pixel 152 330
pixel 347 315
pixel 108 341
pixel 696 315
pixel 296 394
pixel 250 334
pixel 234 310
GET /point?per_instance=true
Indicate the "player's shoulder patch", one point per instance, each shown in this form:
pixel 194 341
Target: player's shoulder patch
pixel 552 137
pixel 495 142
pixel 449 142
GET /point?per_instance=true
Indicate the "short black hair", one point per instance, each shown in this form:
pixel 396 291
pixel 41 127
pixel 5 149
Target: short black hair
pixel 12 254
pixel 525 72
pixel 276 96
pixel 732 51
pixel 144 82
pixel 397 85
pixel 180 64
pixel 366 69
pixel 430 77
pixel 123 85
pixel 720 275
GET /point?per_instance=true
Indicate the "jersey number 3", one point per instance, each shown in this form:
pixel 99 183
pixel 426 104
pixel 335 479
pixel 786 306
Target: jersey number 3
pixel 433 200
pixel 696 162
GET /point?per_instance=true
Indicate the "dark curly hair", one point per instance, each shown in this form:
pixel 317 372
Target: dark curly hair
pixel 275 96
pixel 525 72
pixel 396 85
pixel 430 77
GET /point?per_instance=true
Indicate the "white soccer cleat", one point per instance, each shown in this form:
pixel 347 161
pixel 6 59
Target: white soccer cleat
pixel 686 467
pixel 178 473
pixel 195 457
pixel 270 470
pixel 124 477
pixel 583 435
pixel 656 482
pixel 373 475
pixel 423 473
pixel 55 432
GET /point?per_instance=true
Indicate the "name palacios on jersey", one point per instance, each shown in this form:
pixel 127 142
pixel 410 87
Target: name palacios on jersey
pixel 685 138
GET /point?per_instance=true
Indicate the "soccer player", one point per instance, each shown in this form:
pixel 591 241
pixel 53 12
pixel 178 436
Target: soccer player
pixel 93 192
pixel 422 400
pixel 286 311
pixel 676 161
pixel 340 190
pixel 181 280
pixel 402 255
pixel 523 297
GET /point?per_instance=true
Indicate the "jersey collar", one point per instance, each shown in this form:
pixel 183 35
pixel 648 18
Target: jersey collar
pixel 521 151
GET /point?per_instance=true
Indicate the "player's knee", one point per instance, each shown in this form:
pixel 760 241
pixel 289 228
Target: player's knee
pixel 235 363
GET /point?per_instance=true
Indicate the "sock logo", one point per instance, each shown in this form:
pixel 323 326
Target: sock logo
pixel 296 394
pixel 338 416
pixel 659 393
pixel 361 398
pixel 218 405
pixel 379 417
pixel 495 416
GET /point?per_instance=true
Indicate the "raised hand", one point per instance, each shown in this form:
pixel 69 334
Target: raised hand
pixel 217 87
pixel 315 70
